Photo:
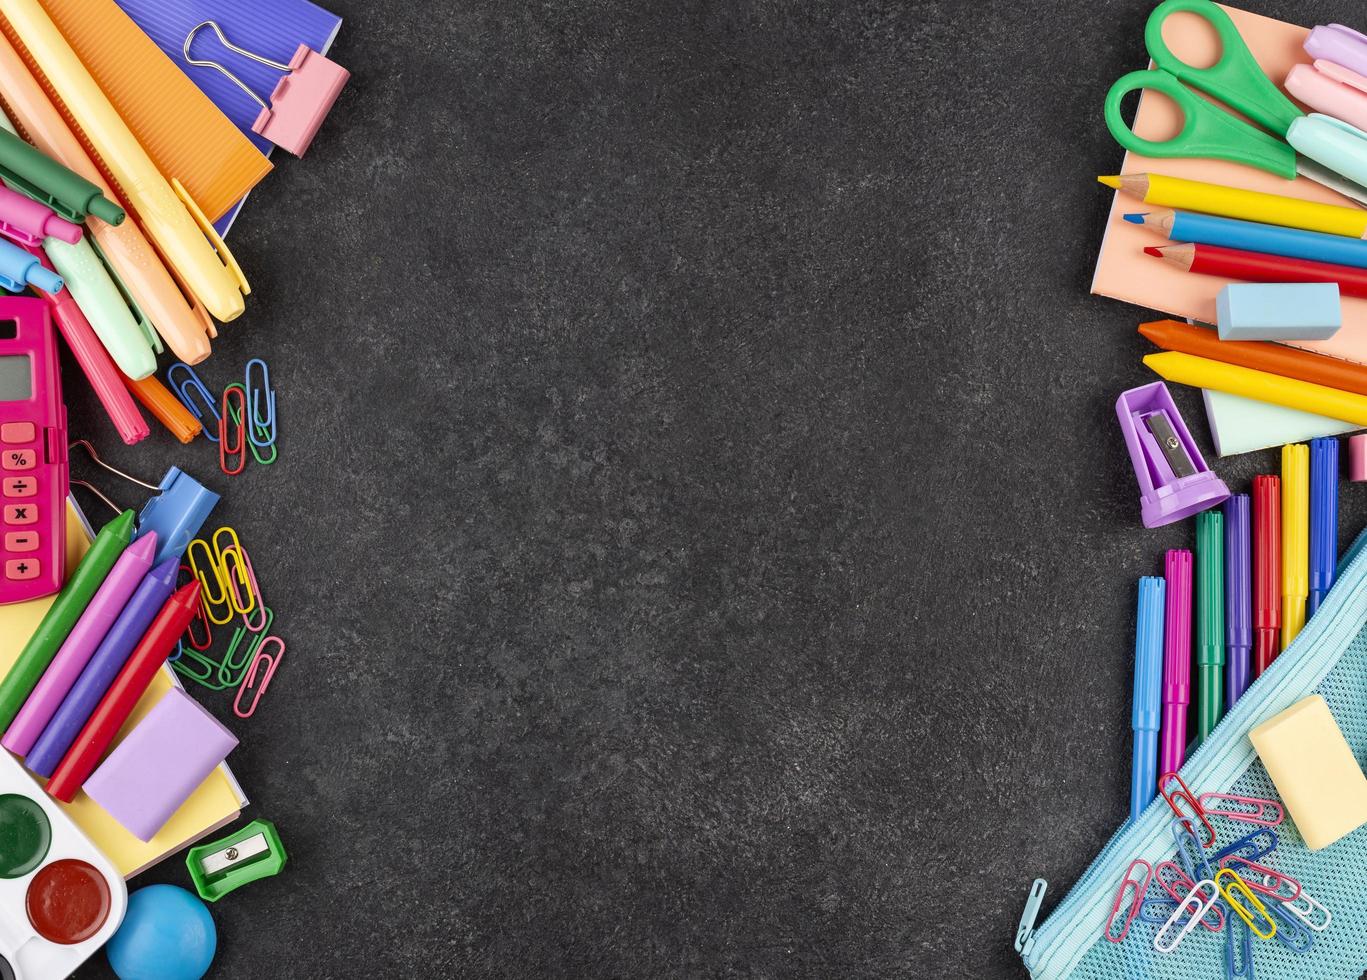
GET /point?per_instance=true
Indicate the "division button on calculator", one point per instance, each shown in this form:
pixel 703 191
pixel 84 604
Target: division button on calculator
pixel 18 542
pixel 21 514
pixel 20 486
pixel 23 569
pixel 18 459
pixel 13 432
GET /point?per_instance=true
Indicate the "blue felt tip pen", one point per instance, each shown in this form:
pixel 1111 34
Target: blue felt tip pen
pixel 19 270
pixel 1238 598
pixel 1324 519
pixel 1148 693
pixel 1203 229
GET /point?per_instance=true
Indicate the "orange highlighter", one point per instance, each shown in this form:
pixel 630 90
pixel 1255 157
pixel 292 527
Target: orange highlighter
pixel 158 400
pixel 185 328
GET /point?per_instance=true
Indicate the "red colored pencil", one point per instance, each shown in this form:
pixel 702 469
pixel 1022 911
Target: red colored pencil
pixel 1234 263
pixel 118 702
pixel 1267 570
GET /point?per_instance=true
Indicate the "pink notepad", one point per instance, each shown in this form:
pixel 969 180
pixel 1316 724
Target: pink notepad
pixel 159 764
pixel 1124 272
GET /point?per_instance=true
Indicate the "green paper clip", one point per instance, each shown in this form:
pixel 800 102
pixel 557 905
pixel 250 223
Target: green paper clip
pixel 226 865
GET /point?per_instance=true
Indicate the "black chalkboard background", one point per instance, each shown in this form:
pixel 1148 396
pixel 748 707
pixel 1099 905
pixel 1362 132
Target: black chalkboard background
pixel 702 535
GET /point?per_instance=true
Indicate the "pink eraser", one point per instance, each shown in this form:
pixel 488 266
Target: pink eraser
pixel 1357 458
pixel 161 762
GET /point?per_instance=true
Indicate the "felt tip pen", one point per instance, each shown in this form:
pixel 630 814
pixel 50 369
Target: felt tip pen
pixel 1210 622
pixel 1267 570
pixel 1324 518
pixel 1146 717
pixel 19 270
pixel 28 221
pixel 95 362
pixel 1238 598
pixel 104 665
pixel 122 697
pixel 61 618
pixel 1295 538
pixel 46 180
pixel 1176 658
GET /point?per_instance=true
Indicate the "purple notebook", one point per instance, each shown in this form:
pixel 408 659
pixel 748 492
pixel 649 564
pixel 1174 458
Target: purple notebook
pixel 159 764
pixel 270 28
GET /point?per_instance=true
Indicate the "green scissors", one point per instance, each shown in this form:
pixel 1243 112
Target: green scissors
pixel 1208 131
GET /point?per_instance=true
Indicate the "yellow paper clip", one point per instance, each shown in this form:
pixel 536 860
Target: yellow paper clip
pixel 234 572
pixel 201 569
pixel 1238 884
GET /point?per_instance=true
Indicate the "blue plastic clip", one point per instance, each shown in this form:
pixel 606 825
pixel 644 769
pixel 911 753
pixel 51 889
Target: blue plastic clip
pixel 1238 952
pixel 1291 932
pixel 260 423
pixel 185 393
pixel 1181 833
pixel 177 514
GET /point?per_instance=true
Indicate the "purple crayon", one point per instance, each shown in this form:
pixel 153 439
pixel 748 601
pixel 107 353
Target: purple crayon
pixel 1176 660
pixel 103 667
pixel 80 644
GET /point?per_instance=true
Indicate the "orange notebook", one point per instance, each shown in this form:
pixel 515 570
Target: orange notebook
pixel 182 131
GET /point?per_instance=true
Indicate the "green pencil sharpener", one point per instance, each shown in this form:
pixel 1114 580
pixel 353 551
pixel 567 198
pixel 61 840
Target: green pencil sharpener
pixel 226 865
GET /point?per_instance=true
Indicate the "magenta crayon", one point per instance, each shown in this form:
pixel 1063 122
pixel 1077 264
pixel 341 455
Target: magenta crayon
pixel 1176 659
pixel 103 667
pixel 88 633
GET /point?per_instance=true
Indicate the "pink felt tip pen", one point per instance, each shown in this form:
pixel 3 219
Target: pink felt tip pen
pixel 1176 659
pixel 28 222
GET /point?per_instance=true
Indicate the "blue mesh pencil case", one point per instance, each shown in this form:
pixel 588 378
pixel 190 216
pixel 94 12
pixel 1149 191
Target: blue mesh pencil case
pixel 1323 941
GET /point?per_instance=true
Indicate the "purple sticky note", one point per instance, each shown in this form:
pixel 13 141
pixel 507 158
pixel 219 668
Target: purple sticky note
pixel 161 762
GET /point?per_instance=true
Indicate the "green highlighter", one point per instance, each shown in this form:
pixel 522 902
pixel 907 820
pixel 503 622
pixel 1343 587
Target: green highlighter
pixel 44 179
pixel 70 603
pixel 1210 621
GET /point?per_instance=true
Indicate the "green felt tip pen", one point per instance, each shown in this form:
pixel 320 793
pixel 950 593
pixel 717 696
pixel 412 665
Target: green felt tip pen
pixel 44 179
pixel 1210 621
pixel 70 603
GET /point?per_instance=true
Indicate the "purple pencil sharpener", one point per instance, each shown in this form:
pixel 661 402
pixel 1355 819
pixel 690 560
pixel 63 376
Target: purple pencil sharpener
pixel 1174 481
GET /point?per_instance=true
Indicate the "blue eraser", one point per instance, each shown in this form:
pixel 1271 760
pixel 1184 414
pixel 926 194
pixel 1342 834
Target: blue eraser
pixel 1279 311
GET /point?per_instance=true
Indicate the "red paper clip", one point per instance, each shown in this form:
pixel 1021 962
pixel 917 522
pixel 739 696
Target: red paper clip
pixel 1185 794
pixel 200 617
pixel 228 421
pixel 1180 887
pixel 1272 879
pixel 1135 903
pixel 1262 814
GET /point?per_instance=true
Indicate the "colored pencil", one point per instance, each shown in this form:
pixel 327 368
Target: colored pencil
pixel 1184 226
pixel 1235 263
pixel 1232 202
pixel 1289 362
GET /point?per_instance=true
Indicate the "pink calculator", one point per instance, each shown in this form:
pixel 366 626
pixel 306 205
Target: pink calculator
pixel 33 460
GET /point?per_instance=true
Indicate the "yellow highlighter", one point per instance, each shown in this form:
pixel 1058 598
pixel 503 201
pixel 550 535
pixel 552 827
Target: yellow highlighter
pixel 1180 194
pixel 1295 538
pixel 164 210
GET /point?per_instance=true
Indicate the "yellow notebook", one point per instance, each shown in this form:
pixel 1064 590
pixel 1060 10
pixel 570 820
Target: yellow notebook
pixel 216 802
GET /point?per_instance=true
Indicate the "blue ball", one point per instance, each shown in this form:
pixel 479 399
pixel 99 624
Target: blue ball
pixel 167 934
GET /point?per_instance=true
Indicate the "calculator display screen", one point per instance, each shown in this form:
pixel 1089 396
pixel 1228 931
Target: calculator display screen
pixel 16 378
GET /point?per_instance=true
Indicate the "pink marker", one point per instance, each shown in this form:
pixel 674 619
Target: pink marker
pixel 28 222
pixel 1176 660
pixel 85 637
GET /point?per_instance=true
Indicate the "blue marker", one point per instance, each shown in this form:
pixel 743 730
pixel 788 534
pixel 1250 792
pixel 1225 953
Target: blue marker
pixel 1238 598
pixel 1148 693
pixel 1324 519
pixel 19 270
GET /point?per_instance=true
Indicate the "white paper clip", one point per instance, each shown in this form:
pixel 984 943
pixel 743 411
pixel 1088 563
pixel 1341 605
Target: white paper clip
pixel 301 100
pixel 1303 907
pixel 1199 907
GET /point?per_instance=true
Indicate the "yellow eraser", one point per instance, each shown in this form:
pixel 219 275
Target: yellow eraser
pixel 1314 770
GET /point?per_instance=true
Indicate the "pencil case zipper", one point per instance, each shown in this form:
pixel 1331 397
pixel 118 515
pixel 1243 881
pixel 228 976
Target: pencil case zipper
pixel 1076 923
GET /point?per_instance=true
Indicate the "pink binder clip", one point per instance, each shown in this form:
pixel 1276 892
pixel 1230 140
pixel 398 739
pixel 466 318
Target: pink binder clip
pixel 301 100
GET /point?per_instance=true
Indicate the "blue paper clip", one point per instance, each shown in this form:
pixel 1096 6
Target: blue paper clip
pixel 1238 952
pixel 1291 932
pixel 1157 911
pixel 1181 833
pixel 177 513
pixel 1247 846
pixel 262 423
pixel 184 392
